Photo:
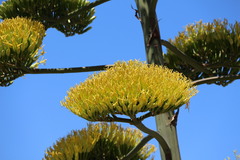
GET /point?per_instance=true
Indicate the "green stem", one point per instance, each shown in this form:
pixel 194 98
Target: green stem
pixel 153 46
pixel 134 151
pixel 157 136
pixel 149 22
pixel 141 118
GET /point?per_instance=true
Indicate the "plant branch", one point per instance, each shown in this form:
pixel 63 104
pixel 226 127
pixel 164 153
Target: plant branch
pixel 125 120
pixel 64 70
pixel 114 118
pixel 222 65
pixel 78 11
pixel 141 118
pixel 214 79
pixel 134 151
pixel 184 57
pixel 156 135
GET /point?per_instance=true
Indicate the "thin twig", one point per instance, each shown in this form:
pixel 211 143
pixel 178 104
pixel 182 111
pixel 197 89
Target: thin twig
pixel 214 79
pixel 141 118
pixel 136 13
pixel 134 151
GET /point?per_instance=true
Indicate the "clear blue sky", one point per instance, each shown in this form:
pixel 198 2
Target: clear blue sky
pixel 32 118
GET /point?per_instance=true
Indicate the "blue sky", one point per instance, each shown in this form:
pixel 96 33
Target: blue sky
pixel 32 118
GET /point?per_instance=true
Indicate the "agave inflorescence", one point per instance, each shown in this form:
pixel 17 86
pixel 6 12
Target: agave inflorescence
pixel 99 141
pixel 127 89
pixel 20 41
pixel 52 13
pixel 215 45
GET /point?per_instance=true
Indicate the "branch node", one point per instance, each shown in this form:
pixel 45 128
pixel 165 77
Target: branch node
pixel 136 13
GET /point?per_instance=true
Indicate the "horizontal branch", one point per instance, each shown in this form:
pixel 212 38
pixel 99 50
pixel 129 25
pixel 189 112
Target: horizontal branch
pixel 114 118
pixel 64 70
pixel 222 65
pixel 214 79
pixel 124 120
pixel 185 58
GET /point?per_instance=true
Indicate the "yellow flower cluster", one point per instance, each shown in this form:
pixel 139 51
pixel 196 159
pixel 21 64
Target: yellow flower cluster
pixel 20 37
pixel 203 34
pixel 106 140
pixel 20 43
pixel 128 88
pixel 215 44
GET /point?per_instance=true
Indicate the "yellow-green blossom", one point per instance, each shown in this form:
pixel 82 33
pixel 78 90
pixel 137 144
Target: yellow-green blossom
pixel 98 141
pixel 214 45
pixel 20 41
pixel 128 88
pixel 20 36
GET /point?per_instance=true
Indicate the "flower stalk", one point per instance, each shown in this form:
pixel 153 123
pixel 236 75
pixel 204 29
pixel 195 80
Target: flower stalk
pixel 154 54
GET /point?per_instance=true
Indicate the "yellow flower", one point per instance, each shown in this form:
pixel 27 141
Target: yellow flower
pixel 214 44
pixel 20 43
pixel 127 89
pixel 98 140
pixel 21 35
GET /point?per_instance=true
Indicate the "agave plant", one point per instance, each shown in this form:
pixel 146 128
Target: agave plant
pixel 59 14
pixel 216 46
pixel 20 43
pixel 99 141
pixel 129 88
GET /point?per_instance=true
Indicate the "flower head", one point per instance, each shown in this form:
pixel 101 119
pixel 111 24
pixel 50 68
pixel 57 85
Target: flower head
pixel 20 41
pixel 127 89
pixel 215 45
pixel 99 140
